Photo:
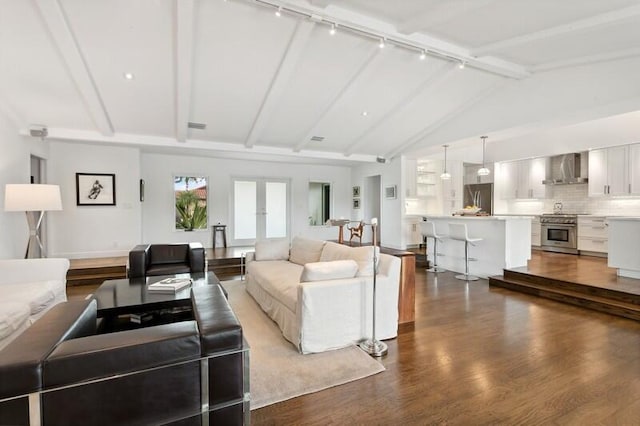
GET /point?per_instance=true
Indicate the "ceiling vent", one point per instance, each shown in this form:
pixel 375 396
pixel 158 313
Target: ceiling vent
pixel 199 126
pixel 38 131
pixel 381 160
pixel 317 138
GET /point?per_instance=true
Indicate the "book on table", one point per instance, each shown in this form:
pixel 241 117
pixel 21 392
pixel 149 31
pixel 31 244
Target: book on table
pixel 170 285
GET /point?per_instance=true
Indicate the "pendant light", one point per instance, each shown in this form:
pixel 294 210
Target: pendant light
pixel 445 175
pixel 484 171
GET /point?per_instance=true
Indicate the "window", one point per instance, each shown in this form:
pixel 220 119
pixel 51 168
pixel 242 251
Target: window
pixel 191 202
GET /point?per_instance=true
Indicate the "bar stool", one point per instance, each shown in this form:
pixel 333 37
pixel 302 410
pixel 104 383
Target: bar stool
pixel 458 231
pixel 428 230
pixel 219 229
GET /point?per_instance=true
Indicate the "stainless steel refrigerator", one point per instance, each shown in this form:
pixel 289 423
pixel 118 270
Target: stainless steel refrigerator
pixel 479 194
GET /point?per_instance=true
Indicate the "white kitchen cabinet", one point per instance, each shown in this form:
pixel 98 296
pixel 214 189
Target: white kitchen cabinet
pixel 634 169
pixel 452 194
pixel 536 232
pixel 593 235
pixel 609 171
pixel 410 178
pixel 523 179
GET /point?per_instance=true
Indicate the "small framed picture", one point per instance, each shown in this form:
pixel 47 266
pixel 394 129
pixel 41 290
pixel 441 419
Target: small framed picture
pixel 390 192
pixel 95 189
pixel 356 203
pixel 356 191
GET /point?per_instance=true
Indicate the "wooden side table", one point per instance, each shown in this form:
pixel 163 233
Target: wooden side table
pixel 215 229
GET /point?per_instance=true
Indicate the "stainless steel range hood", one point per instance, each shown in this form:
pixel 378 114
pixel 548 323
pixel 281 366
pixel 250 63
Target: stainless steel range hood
pixel 567 169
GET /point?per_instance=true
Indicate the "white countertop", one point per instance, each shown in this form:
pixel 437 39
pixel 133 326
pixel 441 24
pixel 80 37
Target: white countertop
pixel 630 218
pixel 484 218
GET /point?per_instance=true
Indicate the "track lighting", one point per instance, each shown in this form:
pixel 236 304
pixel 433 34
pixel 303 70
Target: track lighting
pixel 461 65
pixel 423 55
pixel 279 12
pixel 445 175
pixel 382 43
pixel 484 171
pixel 332 31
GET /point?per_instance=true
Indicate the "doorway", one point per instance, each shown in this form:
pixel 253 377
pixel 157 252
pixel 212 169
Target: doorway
pixel 372 189
pixel 261 209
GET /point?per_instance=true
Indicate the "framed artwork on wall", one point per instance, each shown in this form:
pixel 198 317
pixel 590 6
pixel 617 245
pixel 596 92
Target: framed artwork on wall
pixel 390 192
pixel 356 203
pixel 95 189
pixel 356 192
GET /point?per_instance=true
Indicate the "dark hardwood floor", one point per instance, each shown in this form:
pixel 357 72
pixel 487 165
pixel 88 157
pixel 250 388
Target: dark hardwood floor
pixel 479 355
pixel 488 356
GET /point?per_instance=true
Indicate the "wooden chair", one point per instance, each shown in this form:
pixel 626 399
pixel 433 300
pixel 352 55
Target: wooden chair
pixel 356 231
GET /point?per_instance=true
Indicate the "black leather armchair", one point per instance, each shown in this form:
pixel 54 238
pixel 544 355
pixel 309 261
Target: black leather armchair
pixel 166 259
pixel 63 372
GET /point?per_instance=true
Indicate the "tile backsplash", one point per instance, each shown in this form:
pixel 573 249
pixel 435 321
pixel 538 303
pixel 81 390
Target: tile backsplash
pixel 575 199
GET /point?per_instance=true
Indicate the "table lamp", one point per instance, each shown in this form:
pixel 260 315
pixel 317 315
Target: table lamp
pixel 373 346
pixel 31 198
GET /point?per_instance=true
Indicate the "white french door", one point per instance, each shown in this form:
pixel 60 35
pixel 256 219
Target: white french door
pixel 260 209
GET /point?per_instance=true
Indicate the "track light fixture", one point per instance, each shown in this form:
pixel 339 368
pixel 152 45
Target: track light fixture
pixel 279 11
pixel 332 31
pixel 423 55
pixel 484 171
pixel 445 175
pixel 461 65
pixel 382 43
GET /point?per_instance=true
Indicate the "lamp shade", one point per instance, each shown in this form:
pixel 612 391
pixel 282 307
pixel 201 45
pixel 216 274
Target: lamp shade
pixel 31 197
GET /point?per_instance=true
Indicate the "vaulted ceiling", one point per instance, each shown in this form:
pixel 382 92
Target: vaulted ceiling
pixel 269 85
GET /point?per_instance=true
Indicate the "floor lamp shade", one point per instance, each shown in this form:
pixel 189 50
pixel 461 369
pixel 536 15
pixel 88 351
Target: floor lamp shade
pixel 31 198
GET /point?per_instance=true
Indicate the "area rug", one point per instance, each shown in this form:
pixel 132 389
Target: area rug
pixel 278 371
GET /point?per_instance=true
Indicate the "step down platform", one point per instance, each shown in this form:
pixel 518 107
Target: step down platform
pixel 611 301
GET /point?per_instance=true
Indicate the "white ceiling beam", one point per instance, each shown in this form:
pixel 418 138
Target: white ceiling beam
pixel 364 66
pixel 440 13
pixel 432 127
pixel 592 22
pixel 294 51
pixel 184 14
pixel 418 41
pixel 64 40
pixel 151 142
pixel 430 83
pixel 589 59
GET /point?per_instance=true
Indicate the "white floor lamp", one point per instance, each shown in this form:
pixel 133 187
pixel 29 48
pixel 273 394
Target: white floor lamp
pixel 373 346
pixel 31 199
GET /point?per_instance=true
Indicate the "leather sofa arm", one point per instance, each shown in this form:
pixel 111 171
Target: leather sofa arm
pixel 219 328
pixel 138 261
pixel 21 361
pixel 197 257
pixel 106 355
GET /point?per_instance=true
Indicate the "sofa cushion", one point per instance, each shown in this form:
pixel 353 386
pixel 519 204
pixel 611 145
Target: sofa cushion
pixel 272 249
pixel 37 295
pixel 305 250
pixel 279 278
pixel 12 316
pixel 362 255
pixel 168 253
pixel 334 270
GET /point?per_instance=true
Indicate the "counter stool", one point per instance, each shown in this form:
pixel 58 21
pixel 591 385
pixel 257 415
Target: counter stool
pixel 219 229
pixel 458 231
pixel 428 230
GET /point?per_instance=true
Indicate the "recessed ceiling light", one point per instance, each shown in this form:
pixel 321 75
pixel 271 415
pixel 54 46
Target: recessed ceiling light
pixel 365 113
pixel 128 76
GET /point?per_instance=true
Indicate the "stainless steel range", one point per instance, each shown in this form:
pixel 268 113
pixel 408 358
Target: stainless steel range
pixel 559 233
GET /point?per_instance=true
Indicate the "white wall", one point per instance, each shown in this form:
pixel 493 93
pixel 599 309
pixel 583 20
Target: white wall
pixel 391 212
pixel 158 207
pixel 94 231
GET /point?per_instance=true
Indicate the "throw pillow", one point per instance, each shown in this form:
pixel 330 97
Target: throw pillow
pixel 305 250
pixel 335 270
pixel 362 255
pixel 272 250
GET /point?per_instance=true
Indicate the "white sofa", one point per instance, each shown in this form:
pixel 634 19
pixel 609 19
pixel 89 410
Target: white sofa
pixel 29 288
pixel 320 293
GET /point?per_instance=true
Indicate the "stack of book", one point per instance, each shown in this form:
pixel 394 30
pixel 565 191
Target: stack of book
pixel 170 285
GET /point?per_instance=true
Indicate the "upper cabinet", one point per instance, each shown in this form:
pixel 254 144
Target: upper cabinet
pixel 612 171
pixel 523 179
pixel 420 179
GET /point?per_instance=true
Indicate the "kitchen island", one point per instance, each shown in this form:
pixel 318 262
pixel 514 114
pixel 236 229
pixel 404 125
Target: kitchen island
pixel 624 245
pixel 506 243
